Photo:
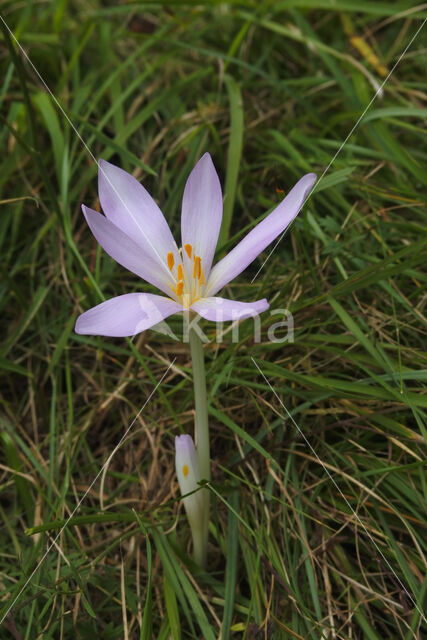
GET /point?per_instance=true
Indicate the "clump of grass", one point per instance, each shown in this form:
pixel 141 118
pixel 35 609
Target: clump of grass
pixel 318 445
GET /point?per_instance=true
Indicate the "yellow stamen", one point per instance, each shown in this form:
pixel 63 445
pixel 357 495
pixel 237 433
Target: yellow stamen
pixel 201 276
pixel 180 272
pixel 185 470
pixel 188 248
pixel 196 268
pixel 170 260
pixel 179 288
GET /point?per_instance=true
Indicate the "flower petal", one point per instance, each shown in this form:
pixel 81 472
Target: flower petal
pixel 187 465
pixel 126 203
pixel 187 471
pixel 126 315
pixel 127 252
pixel 260 237
pixel 202 211
pixel 218 309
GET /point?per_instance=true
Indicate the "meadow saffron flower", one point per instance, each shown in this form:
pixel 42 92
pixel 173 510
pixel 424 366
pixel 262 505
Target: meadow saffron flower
pixel 135 233
pixel 194 498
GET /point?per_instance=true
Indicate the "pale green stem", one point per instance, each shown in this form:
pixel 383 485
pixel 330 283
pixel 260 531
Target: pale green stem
pixel 201 403
pixel 200 546
pixel 201 438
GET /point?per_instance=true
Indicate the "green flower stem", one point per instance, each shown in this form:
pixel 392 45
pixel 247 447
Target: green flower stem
pixel 200 399
pixel 200 543
pixel 201 438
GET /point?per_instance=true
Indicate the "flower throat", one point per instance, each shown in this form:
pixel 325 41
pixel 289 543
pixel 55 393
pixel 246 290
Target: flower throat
pixel 188 275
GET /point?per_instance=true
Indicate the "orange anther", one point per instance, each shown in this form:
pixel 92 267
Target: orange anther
pixel 201 277
pixel 180 273
pixel 185 470
pixel 170 260
pixel 188 248
pixel 179 288
pixel 196 268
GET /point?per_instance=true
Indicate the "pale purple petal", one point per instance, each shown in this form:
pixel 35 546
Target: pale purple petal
pixel 126 315
pixel 127 252
pixel 220 309
pixel 185 452
pixel 126 203
pixel 187 471
pixel 202 211
pixel 260 237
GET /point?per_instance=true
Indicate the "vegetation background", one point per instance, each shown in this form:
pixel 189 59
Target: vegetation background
pixel 318 523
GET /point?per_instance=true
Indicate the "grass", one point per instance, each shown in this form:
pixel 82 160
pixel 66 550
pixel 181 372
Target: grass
pixel 319 486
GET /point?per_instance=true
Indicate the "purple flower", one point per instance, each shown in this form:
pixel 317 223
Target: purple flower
pixel 135 233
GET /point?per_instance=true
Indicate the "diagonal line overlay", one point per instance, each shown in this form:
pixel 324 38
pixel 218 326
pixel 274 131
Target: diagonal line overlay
pixel 352 130
pixel 12 604
pixel 378 91
pixel 360 522
pixel 58 104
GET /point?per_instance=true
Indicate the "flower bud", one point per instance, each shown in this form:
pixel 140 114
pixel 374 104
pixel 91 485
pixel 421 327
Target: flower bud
pixel 187 470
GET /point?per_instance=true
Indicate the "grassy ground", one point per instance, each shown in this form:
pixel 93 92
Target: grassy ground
pixel 317 526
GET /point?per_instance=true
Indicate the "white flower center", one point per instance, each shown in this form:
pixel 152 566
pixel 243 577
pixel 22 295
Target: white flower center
pixel 188 275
